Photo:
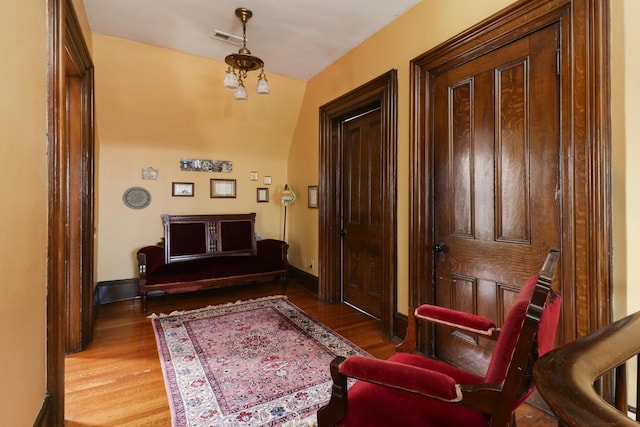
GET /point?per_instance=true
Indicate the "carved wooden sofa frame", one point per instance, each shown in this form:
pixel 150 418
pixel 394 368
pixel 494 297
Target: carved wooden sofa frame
pixel 209 251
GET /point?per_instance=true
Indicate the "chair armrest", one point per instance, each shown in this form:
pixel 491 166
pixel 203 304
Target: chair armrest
pixel 273 250
pixel 402 377
pixel 457 319
pixel 149 259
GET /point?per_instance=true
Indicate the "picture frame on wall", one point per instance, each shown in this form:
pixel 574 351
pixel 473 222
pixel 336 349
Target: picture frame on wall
pixel 312 193
pixel 182 189
pixel 262 195
pixel 223 188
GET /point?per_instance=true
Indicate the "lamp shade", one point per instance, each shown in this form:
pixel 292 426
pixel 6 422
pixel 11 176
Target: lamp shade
pixel 288 196
pixel 230 80
pixel 263 87
pixel 241 93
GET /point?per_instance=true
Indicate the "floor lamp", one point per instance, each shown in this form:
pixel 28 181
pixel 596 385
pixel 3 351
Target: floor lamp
pixel 288 197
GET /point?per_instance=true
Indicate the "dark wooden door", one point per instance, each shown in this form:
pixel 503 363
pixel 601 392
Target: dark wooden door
pixel 362 213
pixel 496 181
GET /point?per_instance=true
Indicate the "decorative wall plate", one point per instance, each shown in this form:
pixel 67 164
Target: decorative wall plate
pixel 137 197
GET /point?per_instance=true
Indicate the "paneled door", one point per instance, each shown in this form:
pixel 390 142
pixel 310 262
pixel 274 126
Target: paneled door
pixel 362 213
pixel 496 181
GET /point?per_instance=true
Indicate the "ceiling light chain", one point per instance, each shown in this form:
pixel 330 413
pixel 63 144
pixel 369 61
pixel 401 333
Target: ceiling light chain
pixel 242 62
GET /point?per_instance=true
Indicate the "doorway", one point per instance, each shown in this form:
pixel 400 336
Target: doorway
pixel 362 209
pixel 366 111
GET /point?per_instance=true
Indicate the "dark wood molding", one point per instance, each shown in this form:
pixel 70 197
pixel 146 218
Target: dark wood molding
pixel 381 92
pixel 400 325
pixel 44 417
pixel 116 290
pixel 68 60
pixel 56 231
pixel 79 125
pixel 308 281
pixel 585 150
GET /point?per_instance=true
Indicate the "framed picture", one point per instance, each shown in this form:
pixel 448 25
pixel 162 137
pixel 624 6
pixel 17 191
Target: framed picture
pixel 182 189
pixel 262 195
pixel 223 188
pixel 150 173
pixel 253 176
pixel 267 180
pixel 312 192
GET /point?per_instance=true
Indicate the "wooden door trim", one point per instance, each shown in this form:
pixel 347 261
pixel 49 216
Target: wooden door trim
pixel 79 80
pixel 64 37
pixel 585 150
pixel 381 91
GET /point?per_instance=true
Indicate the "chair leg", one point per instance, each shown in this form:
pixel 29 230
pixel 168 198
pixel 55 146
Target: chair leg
pixel 144 303
pixel 409 343
pixel 500 419
pixel 336 409
pixel 284 282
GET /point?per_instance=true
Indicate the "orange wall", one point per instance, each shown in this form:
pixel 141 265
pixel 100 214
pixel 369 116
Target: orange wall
pixel 625 156
pixel 151 110
pixel 625 105
pixel 415 32
pixel 23 218
pixel 155 106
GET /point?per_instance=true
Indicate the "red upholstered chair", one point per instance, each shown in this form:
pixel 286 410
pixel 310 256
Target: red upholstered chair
pixel 413 390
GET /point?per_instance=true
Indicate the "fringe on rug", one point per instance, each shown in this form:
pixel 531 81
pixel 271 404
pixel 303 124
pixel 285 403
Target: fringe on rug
pixel 310 421
pixel 181 312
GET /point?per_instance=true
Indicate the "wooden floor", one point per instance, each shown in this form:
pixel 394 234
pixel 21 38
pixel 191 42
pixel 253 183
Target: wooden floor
pixel 117 380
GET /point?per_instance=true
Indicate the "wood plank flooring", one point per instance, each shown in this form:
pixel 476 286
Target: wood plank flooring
pixel 117 380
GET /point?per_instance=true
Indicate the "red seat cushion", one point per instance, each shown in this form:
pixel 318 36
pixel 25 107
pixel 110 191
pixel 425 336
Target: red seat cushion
pixel 374 405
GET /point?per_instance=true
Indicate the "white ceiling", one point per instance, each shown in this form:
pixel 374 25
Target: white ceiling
pixel 295 38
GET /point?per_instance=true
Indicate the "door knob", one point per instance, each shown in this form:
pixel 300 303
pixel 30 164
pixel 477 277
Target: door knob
pixel 440 249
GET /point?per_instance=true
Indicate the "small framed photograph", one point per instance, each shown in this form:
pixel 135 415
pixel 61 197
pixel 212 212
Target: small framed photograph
pixel 223 188
pixel 253 176
pixel 267 180
pixel 312 192
pixel 262 195
pixel 182 189
pixel 150 173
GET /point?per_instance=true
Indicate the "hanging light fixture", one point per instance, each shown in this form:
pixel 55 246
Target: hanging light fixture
pixel 242 62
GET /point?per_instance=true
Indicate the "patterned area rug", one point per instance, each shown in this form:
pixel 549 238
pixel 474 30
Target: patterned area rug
pixel 262 362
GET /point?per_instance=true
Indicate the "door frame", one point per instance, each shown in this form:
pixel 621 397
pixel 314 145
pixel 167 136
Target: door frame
pixel 382 91
pixel 585 204
pixel 66 41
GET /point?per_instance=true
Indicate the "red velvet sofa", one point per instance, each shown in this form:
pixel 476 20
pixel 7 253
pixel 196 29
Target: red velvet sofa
pixel 209 251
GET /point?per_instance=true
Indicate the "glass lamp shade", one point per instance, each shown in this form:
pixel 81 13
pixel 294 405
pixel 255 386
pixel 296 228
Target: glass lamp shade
pixel 230 80
pixel 288 196
pixel 241 93
pixel 263 86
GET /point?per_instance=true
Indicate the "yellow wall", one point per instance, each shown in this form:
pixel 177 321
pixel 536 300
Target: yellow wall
pixel 155 106
pixel 420 29
pixel 81 13
pixel 625 105
pixel 23 218
pixel 625 156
